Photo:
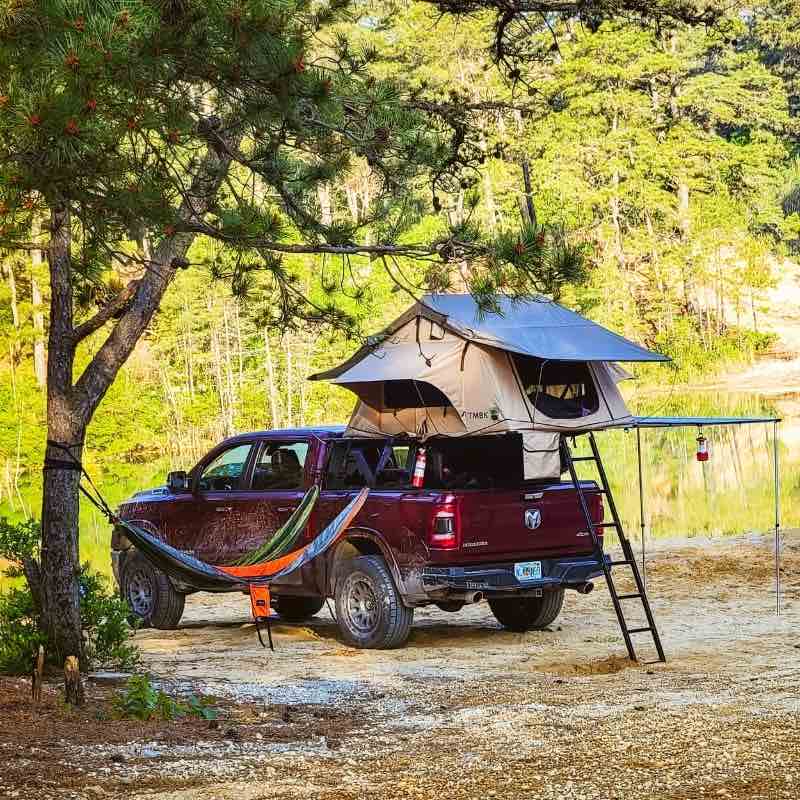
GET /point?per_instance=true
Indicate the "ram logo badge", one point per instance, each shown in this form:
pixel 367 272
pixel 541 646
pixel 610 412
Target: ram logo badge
pixel 533 518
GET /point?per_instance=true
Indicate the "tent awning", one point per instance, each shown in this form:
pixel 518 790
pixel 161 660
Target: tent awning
pixel 399 362
pixel 691 422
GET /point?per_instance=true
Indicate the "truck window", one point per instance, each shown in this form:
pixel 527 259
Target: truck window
pixel 224 473
pixel 279 467
pixel 377 464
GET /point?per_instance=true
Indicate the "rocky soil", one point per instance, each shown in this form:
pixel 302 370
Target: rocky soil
pixel 466 710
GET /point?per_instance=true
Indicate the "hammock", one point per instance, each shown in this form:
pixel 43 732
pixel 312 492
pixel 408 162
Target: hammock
pixel 212 577
pixel 280 542
pixel 254 577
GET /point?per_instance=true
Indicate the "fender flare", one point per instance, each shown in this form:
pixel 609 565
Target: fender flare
pixel 370 541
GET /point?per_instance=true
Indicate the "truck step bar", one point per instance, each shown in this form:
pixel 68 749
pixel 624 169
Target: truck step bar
pixel 628 560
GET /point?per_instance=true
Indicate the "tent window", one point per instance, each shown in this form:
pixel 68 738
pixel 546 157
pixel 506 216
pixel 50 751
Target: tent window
pixel 559 389
pixel 412 394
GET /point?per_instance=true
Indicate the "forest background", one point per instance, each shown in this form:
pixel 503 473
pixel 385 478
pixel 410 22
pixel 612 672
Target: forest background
pixel 670 155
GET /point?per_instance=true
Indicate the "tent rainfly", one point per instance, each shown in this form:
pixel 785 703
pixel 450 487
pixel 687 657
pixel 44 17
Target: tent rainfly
pixel 443 368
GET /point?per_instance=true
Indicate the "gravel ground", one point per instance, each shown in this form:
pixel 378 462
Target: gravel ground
pixel 467 710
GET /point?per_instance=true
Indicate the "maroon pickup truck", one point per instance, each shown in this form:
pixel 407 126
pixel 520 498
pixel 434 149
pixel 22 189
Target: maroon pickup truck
pixel 474 530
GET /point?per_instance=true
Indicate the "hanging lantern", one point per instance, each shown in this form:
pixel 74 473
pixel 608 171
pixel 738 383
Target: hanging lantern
pixel 418 478
pixel 702 448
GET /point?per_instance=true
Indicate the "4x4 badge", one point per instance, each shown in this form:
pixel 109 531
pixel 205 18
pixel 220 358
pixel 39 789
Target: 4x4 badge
pixel 533 518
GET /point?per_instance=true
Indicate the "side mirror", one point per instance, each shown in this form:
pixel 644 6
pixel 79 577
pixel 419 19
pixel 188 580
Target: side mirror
pixel 177 481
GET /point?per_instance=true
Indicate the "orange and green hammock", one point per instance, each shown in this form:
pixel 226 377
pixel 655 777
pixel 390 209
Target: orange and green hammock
pixel 257 569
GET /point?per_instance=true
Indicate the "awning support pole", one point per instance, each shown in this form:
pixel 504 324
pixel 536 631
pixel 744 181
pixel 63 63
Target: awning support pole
pixel 775 451
pixel 641 504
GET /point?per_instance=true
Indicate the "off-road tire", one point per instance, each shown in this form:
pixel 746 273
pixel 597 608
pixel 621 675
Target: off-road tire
pixel 528 613
pixel 369 609
pixel 298 609
pixel 150 594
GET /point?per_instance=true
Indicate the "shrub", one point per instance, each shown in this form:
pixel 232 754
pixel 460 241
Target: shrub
pixel 20 636
pixel 104 615
pixel 19 540
pixel 104 620
pixel 141 700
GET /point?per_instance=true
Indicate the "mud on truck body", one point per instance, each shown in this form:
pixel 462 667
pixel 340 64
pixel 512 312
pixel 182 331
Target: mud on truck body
pixel 474 530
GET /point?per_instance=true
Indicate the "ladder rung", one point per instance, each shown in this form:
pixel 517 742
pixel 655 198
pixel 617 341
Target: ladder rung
pixel 627 596
pixel 606 524
pixel 639 630
pixel 583 458
pixel 620 563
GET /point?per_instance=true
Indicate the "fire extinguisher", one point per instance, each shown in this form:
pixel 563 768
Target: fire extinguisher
pixel 418 478
pixel 702 448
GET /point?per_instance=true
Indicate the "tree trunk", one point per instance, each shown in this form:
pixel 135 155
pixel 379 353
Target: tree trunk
pixel 289 420
pixel 614 203
pixel 8 270
pixel 73 687
pixel 272 389
pixel 39 352
pixel 60 565
pixel 685 228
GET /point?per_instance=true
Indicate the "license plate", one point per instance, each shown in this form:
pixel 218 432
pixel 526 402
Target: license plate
pixel 528 570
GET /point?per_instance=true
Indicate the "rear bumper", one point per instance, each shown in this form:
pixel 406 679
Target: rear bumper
pixel 491 578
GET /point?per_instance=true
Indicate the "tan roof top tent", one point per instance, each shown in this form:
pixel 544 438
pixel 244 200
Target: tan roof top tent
pixel 444 368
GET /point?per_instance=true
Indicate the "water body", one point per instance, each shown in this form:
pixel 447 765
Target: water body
pixel 733 492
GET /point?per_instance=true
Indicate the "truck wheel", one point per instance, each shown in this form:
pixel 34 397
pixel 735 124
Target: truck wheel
pixel 150 594
pixel 369 610
pixel 298 609
pixel 528 613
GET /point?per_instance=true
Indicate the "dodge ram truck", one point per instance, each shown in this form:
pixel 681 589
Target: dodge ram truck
pixel 465 528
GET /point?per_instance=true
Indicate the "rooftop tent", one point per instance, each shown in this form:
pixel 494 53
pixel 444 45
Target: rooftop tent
pixel 445 368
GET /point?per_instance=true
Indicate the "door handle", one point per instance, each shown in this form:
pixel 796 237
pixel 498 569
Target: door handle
pixel 224 508
pixel 287 508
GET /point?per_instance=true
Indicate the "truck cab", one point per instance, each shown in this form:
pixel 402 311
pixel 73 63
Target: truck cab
pixel 469 528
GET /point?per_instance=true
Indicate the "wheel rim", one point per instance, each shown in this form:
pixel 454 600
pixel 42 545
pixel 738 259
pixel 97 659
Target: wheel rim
pixel 140 593
pixel 361 604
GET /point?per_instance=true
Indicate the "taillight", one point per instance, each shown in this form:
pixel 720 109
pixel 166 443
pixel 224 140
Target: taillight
pixel 445 531
pixel 597 510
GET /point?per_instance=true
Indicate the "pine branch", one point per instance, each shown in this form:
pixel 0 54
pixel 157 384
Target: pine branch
pixel 115 308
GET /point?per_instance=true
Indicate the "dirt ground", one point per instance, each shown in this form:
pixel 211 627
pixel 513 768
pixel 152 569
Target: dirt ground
pixel 466 710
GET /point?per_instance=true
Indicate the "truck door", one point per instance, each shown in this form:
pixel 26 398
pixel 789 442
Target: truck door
pixel 221 509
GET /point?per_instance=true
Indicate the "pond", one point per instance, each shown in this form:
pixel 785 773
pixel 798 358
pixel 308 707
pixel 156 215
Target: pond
pixel 731 493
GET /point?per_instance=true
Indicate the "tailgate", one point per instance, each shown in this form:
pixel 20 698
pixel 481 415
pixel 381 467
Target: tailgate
pixel 517 524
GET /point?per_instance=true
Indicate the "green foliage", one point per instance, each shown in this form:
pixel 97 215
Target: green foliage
pixel 106 623
pixel 20 636
pixel 104 620
pixel 141 700
pixel 19 541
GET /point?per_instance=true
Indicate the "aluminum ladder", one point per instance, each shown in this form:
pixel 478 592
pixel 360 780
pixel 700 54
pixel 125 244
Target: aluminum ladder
pixel 628 559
